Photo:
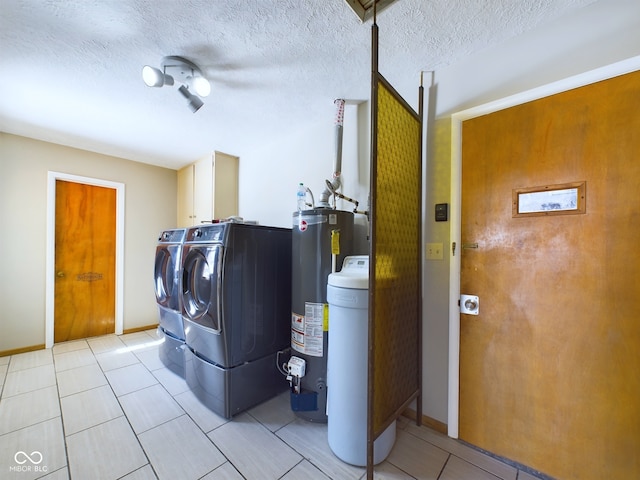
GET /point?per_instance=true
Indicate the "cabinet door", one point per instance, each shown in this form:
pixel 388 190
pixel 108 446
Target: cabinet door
pixel 225 192
pixel 203 190
pixel 185 196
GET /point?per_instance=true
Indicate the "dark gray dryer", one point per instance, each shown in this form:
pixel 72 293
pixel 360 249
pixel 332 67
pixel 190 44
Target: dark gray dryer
pixel 236 297
pixel 167 280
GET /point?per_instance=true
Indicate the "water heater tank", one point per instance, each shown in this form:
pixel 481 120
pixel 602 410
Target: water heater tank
pixel 321 239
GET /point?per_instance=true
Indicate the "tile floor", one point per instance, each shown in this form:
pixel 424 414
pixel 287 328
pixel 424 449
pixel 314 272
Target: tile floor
pixel 107 408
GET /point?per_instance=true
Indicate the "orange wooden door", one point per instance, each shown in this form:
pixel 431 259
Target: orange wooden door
pixel 84 261
pixel 550 368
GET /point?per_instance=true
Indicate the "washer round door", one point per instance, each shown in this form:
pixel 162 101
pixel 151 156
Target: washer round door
pixel 202 285
pixel 166 277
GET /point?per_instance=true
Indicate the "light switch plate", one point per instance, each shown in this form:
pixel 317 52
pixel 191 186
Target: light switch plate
pixel 434 251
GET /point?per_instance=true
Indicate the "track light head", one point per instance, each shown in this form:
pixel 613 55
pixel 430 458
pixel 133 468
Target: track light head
pixel 200 85
pixel 153 77
pixel 194 102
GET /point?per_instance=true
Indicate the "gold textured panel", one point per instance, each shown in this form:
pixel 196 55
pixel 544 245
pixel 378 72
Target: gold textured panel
pixel 395 237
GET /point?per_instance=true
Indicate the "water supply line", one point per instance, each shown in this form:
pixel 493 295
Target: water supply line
pixel 337 168
pixel 343 197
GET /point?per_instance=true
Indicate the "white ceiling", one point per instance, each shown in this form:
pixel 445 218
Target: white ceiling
pixel 70 70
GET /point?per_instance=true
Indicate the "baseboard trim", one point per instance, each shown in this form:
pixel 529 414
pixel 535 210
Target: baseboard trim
pixel 436 425
pixel 33 348
pixel 15 351
pixel 139 329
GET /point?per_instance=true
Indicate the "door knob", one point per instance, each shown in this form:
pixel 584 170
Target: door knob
pixel 60 274
pixel 469 304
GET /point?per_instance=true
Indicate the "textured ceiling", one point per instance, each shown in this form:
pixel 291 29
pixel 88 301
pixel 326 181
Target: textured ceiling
pixel 70 70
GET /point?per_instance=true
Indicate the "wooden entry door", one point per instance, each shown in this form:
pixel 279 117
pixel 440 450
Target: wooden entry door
pixel 85 253
pixel 549 369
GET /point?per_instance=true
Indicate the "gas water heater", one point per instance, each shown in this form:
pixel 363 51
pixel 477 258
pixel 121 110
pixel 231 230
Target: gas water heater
pixel 321 239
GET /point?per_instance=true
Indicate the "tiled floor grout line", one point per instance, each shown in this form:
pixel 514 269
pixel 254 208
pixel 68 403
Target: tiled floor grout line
pixel 136 434
pixel 444 466
pixel 102 423
pixel 124 412
pixel 185 413
pixel 104 372
pixel 64 434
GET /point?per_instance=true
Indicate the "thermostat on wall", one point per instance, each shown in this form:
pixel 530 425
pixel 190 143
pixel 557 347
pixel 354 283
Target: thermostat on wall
pixel 442 212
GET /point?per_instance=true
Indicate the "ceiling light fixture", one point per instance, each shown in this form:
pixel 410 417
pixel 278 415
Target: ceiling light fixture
pixel 174 68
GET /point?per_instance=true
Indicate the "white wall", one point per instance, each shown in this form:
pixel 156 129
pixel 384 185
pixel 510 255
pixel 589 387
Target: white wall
pixel 269 177
pixel 150 206
pixel 602 33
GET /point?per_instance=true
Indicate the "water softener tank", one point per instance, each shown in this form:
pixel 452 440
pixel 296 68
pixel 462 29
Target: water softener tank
pixel 321 239
pixel 347 366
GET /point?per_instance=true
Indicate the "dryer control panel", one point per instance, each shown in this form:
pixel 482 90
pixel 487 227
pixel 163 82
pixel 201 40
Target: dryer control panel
pixel 206 233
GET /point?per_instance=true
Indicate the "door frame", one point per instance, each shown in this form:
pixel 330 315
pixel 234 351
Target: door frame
pixel 52 177
pixel 580 80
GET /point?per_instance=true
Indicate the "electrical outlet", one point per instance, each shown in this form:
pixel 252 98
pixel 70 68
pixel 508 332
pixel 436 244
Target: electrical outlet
pixel 434 251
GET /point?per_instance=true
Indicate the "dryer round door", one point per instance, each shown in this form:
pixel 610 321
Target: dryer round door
pixel 202 285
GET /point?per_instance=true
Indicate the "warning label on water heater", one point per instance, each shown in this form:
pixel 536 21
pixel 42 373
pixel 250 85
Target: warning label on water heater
pixel 307 330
